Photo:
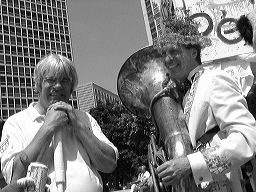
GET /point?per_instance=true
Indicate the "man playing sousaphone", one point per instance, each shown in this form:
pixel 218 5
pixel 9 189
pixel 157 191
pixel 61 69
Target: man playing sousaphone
pixel 215 101
pixel 221 128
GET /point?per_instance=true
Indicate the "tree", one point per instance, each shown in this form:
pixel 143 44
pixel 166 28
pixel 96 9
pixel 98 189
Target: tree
pixel 130 134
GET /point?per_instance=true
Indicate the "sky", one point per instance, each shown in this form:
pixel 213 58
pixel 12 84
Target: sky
pixel 104 34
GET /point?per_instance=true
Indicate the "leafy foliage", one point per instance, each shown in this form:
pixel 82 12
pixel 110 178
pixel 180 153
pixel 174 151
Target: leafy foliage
pixel 130 134
pixel 182 25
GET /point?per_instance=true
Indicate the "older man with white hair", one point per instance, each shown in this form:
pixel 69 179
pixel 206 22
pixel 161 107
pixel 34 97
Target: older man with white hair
pixel 86 150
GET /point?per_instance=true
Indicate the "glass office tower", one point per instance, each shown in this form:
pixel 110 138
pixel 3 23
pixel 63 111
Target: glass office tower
pixel 29 29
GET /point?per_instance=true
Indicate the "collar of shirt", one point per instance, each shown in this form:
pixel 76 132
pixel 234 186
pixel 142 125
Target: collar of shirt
pixel 192 73
pixel 33 113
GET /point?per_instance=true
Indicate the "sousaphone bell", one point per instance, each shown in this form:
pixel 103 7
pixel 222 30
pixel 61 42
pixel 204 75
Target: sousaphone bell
pixel 147 89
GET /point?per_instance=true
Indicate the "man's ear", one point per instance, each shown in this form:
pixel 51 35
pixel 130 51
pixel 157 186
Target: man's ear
pixel 194 53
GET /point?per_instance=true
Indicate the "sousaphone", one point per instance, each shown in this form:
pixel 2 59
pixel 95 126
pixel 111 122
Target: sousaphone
pixel 147 89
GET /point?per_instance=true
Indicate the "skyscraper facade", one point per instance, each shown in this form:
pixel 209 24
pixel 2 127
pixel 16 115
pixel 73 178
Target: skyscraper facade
pixel 89 94
pixel 154 12
pixel 29 29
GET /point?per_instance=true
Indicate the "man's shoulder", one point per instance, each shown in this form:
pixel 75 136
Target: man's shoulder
pixel 21 115
pixel 216 74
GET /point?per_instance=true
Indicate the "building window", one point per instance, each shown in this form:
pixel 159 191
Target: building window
pixel 30 33
pixel 2 80
pixel 42 44
pixel 12 30
pixel 37 43
pixel 9 81
pixel 13 40
pixel 17 21
pixel 23 23
pixel 51 27
pixel 1 61
pixel 10 93
pixel 41 35
pixel 2 69
pixel 23 102
pixel 25 41
pixel 5 111
pixel 22 80
pixel 36 34
pixel 31 43
pixel 29 93
pixel 11 20
pixel 52 45
pixel 26 62
pixel 13 50
pixel 17 13
pixel 24 32
pixel 22 4
pixel 5 19
pixel 15 72
pixel 20 51
pixel 46 26
pixel 52 36
pixel 33 7
pixel 29 23
pixel 39 9
pixel 40 25
pixel 37 53
pixel 6 29
pixel 7 49
pixel 25 52
pixel 23 92
pixel 17 101
pixel 14 61
pixel 22 13
pixel 47 45
pixel 4 10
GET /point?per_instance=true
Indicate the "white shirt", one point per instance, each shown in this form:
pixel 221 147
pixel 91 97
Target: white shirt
pixel 81 176
pixel 218 100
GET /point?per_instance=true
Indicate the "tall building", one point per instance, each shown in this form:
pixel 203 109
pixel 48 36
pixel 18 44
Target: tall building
pixel 29 29
pixel 154 11
pixel 89 94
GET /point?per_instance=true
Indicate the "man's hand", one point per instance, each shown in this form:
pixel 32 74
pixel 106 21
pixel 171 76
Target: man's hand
pixel 76 117
pixel 56 119
pixel 65 107
pixel 172 171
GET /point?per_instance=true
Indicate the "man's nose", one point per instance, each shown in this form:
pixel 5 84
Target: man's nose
pixel 58 84
pixel 168 59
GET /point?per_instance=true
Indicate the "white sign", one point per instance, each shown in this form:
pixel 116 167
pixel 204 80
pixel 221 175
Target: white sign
pixel 216 20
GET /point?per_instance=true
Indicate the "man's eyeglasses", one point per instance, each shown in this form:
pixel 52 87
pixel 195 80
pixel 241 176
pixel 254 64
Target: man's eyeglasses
pixel 51 81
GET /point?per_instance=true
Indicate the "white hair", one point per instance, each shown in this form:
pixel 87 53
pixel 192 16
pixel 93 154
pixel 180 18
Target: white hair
pixel 55 64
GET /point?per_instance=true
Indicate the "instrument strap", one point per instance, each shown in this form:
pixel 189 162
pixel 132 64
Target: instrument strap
pixel 205 138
